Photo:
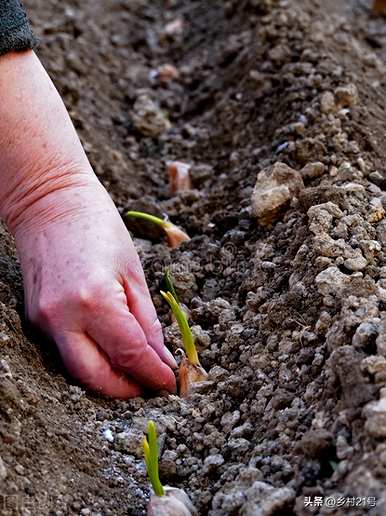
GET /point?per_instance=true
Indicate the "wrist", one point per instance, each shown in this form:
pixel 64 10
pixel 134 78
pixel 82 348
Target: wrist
pixel 53 194
pixel 44 172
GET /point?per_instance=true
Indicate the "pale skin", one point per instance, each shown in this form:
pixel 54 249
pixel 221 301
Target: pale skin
pixel 83 281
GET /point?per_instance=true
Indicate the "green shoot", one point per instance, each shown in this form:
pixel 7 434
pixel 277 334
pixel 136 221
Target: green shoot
pixel 168 279
pixel 148 218
pixel 175 236
pixel 183 324
pixel 150 451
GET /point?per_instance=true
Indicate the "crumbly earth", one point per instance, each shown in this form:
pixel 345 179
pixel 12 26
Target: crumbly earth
pixel 288 304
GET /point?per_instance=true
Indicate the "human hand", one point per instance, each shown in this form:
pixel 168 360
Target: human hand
pixel 84 284
pixel 85 288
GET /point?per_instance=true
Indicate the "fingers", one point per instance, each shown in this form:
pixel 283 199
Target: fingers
pixel 90 366
pixel 141 306
pixel 119 334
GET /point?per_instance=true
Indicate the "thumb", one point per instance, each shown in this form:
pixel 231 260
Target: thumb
pixel 88 364
pixel 122 338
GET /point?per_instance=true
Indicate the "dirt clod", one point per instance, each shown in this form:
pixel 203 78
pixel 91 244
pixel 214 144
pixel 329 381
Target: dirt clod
pixel 275 187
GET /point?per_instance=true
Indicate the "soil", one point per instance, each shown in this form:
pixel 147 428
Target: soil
pixel 289 315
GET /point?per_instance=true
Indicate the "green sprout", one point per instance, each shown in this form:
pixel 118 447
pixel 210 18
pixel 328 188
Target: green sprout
pixel 175 236
pixel 168 279
pixel 150 451
pixel 183 324
pixel 149 218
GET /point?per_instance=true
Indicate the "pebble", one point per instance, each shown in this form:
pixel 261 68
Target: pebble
pixel 375 414
pixel 108 435
pixel 347 96
pixel 148 118
pixel 229 420
pixel 3 470
pixel 213 462
pixel 327 102
pixel 357 262
pixel 275 187
pixel 331 280
pixel 312 170
pixel 365 333
pixel 20 469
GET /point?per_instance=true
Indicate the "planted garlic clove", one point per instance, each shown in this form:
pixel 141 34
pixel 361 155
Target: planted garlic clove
pixel 175 236
pixel 179 176
pixel 175 502
pixel 379 6
pixel 189 375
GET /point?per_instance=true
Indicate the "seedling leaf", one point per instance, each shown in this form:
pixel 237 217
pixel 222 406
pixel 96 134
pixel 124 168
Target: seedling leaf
pixel 183 324
pixel 148 218
pixel 150 451
pixel 175 236
pixel 169 284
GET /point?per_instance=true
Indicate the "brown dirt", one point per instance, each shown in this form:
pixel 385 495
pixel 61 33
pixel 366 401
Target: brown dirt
pixel 296 357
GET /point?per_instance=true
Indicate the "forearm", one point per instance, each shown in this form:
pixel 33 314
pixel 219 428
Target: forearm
pixel 40 152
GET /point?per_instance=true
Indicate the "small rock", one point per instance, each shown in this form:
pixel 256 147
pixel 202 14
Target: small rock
pixel 376 366
pixel 356 263
pixel 347 96
pixel 375 414
pixel 327 102
pixel 175 27
pixel 266 500
pixel 377 178
pixel 275 187
pixel 312 170
pixel 239 445
pixel 202 337
pixel 148 118
pixel 279 54
pixel 213 462
pixel 200 173
pixel 376 212
pixel 315 443
pixel 229 420
pixel 20 469
pixel 165 73
pixel 331 281
pixel 381 340
pixel 168 466
pixel 5 370
pixel 108 435
pixel 3 470
pixel 130 442
pixel 370 248
pixel 366 332
pixel 343 450
pixel 76 393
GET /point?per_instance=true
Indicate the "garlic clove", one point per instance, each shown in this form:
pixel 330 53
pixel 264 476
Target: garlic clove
pixel 190 374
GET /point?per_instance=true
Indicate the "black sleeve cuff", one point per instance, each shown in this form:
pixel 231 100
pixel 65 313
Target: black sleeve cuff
pixel 15 32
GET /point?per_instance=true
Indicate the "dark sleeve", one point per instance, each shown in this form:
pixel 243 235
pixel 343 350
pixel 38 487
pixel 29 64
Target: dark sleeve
pixel 15 32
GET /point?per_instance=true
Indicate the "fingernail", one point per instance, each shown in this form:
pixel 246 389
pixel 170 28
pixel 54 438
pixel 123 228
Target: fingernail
pixel 170 358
